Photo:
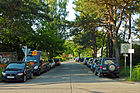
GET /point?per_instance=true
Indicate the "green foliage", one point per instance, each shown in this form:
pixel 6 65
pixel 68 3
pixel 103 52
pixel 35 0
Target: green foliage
pixel 1 70
pixel 36 23
pixel 136 73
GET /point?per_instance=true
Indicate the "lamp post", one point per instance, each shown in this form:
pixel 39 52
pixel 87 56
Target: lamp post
pixel 130 41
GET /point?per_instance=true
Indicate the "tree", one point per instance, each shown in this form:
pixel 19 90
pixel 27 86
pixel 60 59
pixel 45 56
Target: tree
pixel 36 23
pixel 111 14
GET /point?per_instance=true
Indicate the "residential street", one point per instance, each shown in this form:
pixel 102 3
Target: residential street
pixel 70 77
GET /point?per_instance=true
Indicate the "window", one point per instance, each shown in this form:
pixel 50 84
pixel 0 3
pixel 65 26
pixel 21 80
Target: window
pixel 109 61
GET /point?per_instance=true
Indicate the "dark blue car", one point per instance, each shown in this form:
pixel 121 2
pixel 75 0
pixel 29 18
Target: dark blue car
pixel 39 65
pixel 107 66
pixel 17 71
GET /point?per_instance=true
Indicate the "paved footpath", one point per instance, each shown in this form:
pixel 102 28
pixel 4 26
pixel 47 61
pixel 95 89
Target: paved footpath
pixel 70 77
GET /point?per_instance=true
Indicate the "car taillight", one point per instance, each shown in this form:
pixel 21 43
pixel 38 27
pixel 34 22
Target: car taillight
pixel 118 67
pixel 101 67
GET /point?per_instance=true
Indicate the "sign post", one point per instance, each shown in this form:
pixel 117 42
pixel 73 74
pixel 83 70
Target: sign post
pixel 125 55
pixel 26 51
pixel 124 49
pixel 130 51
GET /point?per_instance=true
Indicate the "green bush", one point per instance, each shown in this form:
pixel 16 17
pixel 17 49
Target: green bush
pixel 136 73
pixel 1 72
pixel 123 72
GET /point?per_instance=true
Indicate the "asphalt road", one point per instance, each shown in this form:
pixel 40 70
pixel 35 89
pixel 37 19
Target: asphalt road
pixel 70 77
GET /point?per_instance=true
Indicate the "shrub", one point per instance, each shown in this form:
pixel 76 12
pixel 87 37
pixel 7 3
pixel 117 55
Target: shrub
pixel 123 72
pixel 1 69
pixel 136 73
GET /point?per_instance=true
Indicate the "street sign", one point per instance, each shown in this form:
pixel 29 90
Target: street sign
pixel 125 55
pixel 131 51
pixel 125 47
pixel 34 53
pixel 24 50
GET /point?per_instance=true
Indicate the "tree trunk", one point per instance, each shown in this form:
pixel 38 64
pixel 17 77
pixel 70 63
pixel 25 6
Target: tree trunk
pixel 103 45
pixel 111 49
pixel 129 36
pixel 116 47
pixel 95 48
pixel 79 54
pixel 124 30
pixel 107 44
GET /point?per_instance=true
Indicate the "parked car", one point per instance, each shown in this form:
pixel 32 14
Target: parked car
pixel 35 59
pixel 51 63
pixel 107 66
pixel 94 63
pixel 86 60
pixel 79 59
pixel 17 71
pixel 90 62
pixel 57 61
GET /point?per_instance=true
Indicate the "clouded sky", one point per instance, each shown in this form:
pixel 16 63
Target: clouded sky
pixel 71 14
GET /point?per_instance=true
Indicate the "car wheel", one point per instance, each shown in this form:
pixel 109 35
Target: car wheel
pixel 46 68
pixel 95 73
pixel 31 76
pixel 38 73
pixel 100 74
pixel 91 67
pixel 93 70
pixel 24 78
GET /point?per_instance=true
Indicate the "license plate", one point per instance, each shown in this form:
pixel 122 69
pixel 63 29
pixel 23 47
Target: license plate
pixel 10 77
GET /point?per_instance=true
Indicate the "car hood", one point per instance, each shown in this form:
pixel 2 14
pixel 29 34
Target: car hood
pixel 13 72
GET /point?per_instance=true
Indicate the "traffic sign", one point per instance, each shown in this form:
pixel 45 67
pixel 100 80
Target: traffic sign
pixel 125 47
pixel 24 50
pixel 131 50
pixel 34 53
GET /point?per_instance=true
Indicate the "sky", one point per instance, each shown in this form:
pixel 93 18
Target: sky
pixel 71 14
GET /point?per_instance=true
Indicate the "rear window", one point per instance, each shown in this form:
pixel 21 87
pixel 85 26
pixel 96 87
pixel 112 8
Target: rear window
pixel 110 61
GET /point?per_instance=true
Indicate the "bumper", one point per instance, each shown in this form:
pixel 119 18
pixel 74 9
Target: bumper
pixel 16 78
pixel 108 72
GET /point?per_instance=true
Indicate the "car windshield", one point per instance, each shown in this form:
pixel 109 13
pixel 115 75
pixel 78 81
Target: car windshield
pixel 110 61
pixel 31 58
pixel 16 66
